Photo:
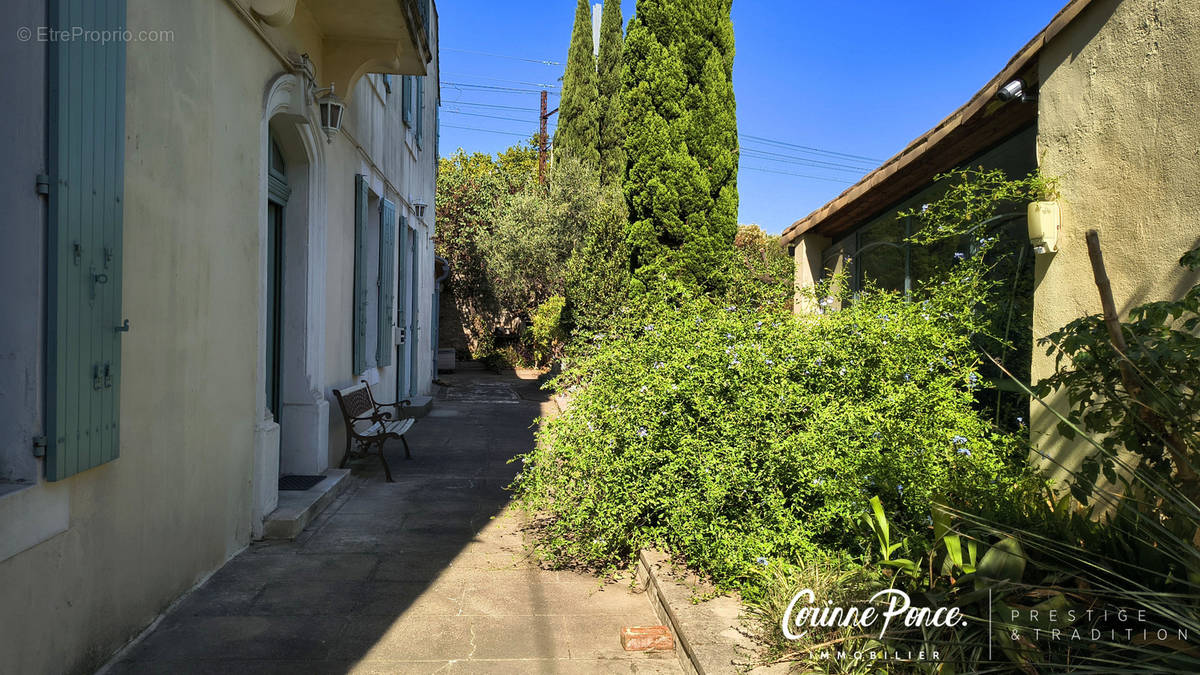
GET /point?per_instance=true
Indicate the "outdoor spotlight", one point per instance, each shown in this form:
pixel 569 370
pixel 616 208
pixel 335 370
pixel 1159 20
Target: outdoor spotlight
pixel 1013 90
pixel 330 108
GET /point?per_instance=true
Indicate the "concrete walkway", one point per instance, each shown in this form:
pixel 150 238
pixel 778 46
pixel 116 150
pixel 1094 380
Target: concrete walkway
pixel 427 574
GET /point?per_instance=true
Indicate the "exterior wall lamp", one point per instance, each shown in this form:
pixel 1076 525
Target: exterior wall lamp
pixel 1044 222
pixel 330 108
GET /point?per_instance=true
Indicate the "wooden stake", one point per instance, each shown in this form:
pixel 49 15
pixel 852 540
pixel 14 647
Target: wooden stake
pixel 1129 378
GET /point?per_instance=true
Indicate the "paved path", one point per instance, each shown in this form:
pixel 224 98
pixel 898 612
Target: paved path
pixel 427 574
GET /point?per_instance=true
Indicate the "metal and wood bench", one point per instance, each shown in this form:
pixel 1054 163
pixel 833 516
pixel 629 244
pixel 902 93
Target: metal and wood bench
pixel 369 424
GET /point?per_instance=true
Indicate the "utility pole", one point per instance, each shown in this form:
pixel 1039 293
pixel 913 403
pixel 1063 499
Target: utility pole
pixel 543 140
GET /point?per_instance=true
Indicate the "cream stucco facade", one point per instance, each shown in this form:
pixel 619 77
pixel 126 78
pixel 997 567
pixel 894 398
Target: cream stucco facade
pixel 1117 124
pixel 88 561
pixel 1114 121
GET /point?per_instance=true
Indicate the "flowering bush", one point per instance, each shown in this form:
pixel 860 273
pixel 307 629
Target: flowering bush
pixel 734 433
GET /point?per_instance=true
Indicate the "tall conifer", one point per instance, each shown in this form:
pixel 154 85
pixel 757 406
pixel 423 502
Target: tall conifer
pixel 578 131
pixel 681 128
pixel 608 84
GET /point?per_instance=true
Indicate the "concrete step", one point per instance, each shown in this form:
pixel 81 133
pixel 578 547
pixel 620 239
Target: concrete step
pixel 420 406
pixel 297 509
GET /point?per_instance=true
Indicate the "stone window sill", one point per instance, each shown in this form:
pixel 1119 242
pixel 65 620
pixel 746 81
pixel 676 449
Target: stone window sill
pixel 31 514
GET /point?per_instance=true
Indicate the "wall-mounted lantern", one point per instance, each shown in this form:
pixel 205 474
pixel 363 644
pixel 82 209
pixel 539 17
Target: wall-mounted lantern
pixel 1044 222
pixel 330 109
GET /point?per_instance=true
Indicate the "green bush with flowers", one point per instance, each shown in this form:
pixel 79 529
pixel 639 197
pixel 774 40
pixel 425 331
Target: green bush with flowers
pixel 731 434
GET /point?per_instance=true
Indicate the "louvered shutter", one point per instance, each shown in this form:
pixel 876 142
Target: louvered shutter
pixel 86 144
pixel 387 283
pixel 420 111
pixel 360 273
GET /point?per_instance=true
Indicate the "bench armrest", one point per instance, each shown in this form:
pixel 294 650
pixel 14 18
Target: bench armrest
pixel 398 407
pixel 398 404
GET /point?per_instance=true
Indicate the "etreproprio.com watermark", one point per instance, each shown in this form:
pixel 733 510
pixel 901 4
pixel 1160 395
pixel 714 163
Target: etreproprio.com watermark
pixel 92 35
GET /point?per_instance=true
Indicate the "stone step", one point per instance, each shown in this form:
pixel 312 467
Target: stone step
pixel 297 509
pixel 420 406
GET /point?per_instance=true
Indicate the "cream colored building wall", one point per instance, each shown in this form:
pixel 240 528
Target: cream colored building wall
pixel 422 184
pixel 375 142
pixel 179 501
pixel 339 284
pixel 176 504
pixel 1117 124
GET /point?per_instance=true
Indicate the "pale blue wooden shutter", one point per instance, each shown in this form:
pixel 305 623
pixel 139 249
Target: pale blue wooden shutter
pixel 420 110
pixel 360 273
pixel 406 99
pixel 387 282
pixel 86 148
pixel 401 296
pixel 414 318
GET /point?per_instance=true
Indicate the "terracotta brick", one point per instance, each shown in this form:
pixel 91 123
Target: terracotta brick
pixel 647 638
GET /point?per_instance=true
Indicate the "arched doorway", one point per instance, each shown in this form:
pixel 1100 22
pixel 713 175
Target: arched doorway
pixel 277 199
pixel 292 436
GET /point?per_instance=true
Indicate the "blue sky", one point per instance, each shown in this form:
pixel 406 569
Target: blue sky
pixel 848 81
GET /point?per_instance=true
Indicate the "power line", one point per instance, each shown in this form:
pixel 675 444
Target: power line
pixel 807 148
pixel 848 164
pixel 526 108
pixel 541 85
pixel 544 62
pixel 495 117
pixel 489 131
pixel 492 88
pixel 798 175
pixel 792 159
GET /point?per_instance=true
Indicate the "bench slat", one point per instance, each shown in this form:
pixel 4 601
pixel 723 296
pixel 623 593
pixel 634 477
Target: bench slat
pixel 398 427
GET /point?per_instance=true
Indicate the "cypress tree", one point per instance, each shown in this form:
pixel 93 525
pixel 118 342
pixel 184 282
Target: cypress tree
pixel 682 143
pixel 578 131
pixel 608 85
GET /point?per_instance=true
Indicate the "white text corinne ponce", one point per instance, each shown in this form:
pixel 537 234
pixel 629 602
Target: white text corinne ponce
pixel 898 605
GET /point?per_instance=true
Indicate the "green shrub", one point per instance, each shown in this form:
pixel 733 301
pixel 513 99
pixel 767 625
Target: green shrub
pixel 733 434
pixel 1123 571
pixel 547 329
pixel 1159 419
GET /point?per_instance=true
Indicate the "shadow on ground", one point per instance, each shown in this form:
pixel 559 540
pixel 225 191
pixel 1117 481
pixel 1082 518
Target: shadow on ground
pixel 427 574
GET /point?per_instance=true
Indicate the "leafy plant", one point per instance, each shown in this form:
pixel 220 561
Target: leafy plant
pixel 1145 401
pixel 839 579
pixel 1119 579
pixel 726 433
pixel 547 330
pixel 1113 587
pixel 979 221
pixel 512 245
pixel 471 188
pixel 877 521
